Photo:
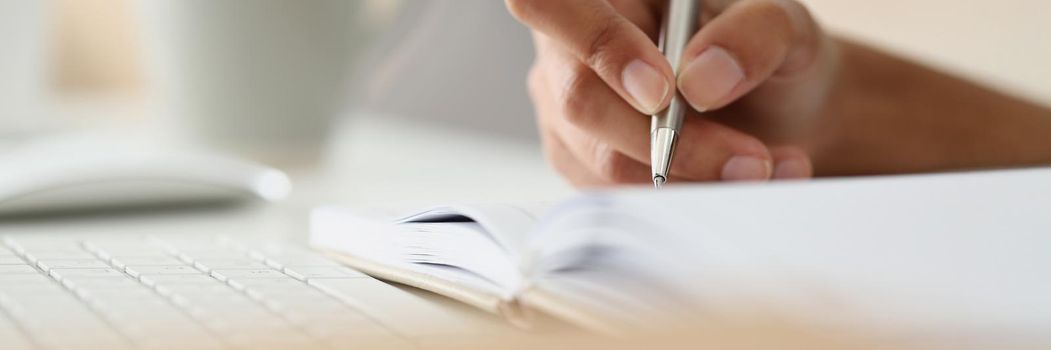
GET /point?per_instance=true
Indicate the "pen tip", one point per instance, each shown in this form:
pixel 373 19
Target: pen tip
pixel 658 181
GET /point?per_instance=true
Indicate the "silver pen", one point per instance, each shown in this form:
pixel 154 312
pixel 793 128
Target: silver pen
pixel 679 24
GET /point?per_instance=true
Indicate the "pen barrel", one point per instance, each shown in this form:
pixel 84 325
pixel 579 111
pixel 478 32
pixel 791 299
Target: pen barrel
pixel 681 21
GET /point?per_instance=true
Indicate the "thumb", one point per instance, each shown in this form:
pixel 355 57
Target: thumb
pixel 748 43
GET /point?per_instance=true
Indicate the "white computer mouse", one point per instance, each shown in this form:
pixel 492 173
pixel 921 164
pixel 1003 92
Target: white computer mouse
pixel 79 176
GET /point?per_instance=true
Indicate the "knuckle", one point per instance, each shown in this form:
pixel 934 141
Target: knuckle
pixel 783 14
pixel 800 20
pixel 796 31
pixel 523 10
pixel 774 12
pixel 601 52
pixel 613 166
pixel 794 7
pixel 576 101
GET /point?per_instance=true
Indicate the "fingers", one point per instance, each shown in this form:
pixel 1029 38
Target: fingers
pixel 594 161
pixel 590 84
pixel 736 51
pixel 582 159
pixel 791 163
pixel 711 151
pixel 619 52
pixel 606 133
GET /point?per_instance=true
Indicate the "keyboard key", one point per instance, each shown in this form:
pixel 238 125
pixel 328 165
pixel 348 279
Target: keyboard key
pixel 399 310
pixel 23 278
pixel 303 260
pixel 49 314
pixel 205 254
pixel 32 289
pixel 17 270
pixel 168 320
pixel 283 293
pixel 215 298
pixel 102 283
pixel 275 283
pixel 40 296
pixel 134 254
pixel 307 273
pixel 125 250
pixel 142 313
pixel 121 295
pixel 163 270
pixel 280 249
pixel 248 274
pixel 135 304
pixel 187 279
pixel 80 274
pixel 73 253
pixel 37 243
pixel 48 264
pixel 147 261
pixel 220 264
pixel 237 308
pixel 217 289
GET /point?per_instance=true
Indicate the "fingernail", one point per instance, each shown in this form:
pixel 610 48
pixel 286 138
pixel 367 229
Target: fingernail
pixel 710 78
pixel 746 168
pixel 646 85
pixel 792 169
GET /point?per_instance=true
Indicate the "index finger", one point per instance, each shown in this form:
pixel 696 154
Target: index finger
pixel 618 51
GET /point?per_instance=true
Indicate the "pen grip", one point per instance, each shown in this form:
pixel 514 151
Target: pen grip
pixel 681 21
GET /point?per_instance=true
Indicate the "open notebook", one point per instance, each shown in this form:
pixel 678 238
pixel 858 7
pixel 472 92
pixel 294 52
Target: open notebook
pixel 956 253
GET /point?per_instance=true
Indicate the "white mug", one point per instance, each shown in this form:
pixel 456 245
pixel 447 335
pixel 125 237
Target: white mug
pixel 23 64
pixel 262 77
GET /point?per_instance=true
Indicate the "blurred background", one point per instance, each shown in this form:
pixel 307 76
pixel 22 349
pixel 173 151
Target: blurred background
pixel 271 76
pixel 464 61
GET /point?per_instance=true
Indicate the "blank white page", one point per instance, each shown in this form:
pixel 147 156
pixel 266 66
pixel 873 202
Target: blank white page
pixel 959 254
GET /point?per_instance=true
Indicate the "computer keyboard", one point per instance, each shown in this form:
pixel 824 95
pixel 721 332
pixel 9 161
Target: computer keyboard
pixel 188 294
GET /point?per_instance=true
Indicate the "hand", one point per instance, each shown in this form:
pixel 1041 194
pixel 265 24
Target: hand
pixel 760 70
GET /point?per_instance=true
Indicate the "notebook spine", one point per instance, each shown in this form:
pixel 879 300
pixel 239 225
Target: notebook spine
pixel 516 313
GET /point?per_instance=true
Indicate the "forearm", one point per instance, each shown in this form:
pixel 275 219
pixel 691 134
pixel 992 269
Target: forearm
pixel 888 115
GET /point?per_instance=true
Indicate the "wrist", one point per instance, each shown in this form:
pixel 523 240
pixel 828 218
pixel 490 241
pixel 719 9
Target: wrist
pixel 888 115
